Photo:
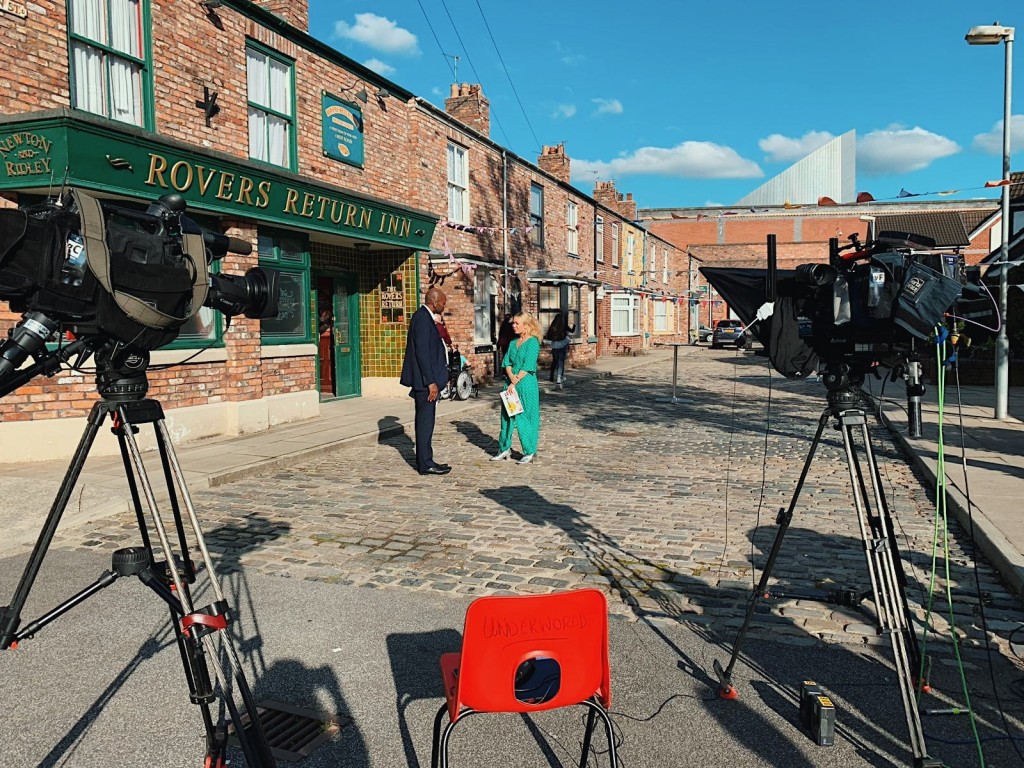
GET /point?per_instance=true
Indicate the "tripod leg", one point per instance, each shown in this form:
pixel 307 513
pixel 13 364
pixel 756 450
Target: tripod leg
pixel 10 616
pixel 727 690
pixel 199 626
pixel 885 587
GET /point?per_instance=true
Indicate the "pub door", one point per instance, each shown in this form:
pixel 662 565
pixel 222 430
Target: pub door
pixel 339 364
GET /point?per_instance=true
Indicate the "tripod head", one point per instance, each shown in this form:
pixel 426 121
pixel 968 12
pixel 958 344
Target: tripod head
pixel 120 369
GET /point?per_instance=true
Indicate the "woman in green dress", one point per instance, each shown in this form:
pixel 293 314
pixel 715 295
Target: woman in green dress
pixel 520 364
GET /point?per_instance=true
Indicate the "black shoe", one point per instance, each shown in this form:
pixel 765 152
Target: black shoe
pixel 442 466
pixel 436 470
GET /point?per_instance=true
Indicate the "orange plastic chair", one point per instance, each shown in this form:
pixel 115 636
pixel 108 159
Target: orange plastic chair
pixel 507 638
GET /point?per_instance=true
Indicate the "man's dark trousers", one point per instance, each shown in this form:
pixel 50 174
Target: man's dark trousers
pixel 424 365
pixel 426 411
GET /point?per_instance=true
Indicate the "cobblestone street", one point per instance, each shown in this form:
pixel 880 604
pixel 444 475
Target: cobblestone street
pixel 670 507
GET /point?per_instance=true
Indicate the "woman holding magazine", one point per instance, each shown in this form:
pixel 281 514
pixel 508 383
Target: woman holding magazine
pixel 520 364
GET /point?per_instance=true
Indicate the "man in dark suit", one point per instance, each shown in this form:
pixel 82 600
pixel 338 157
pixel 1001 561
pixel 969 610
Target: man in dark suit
pixel 425 372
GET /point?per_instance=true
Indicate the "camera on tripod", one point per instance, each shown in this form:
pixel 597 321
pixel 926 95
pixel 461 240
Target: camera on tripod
pixel 871 303
pixel 113 276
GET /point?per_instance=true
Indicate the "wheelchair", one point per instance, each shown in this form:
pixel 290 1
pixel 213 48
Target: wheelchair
pixel 460 378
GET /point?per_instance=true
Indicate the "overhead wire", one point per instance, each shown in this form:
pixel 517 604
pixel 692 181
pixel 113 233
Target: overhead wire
pixel 509 78
pixel 455 28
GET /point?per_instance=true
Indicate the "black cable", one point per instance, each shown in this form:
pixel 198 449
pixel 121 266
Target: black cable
pixel 508 77
pixel 465 50
pixel 436 40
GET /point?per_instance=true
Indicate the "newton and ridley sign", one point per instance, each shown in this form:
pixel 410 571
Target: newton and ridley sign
pixel 44 154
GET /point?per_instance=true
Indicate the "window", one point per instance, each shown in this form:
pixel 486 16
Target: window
pixel 555 298
pixel 537 214
pixel 625 314
pixel 615 243
pixel 592 312
pixel 653 268
pixel 599 240
pixel 630 245
pixel 661 316
pixel 572 230
pixel 484 291
pixel 664 265
pixel 109 75
pixel 458 184
pixel 271 116
pixel 289 255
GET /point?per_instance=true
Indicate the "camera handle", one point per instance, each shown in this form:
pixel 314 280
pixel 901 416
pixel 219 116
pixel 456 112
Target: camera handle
pixel 195 628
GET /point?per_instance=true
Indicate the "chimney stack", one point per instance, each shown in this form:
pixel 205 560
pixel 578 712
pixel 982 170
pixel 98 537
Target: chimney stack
pixel 553 160
pixel 295 12
pixel 468 105
pixel 606 194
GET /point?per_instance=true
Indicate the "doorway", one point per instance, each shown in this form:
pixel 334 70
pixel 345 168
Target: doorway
pixel 338 354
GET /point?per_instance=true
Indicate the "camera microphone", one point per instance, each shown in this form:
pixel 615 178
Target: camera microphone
pixel 26 338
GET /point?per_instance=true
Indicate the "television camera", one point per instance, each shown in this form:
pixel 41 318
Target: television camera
pixel 874 304
pixel 121 282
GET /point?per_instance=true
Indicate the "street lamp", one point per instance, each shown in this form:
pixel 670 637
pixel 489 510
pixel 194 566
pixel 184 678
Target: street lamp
pixel 993 34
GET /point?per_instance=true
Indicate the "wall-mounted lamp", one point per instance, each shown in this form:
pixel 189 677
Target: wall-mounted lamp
pixel 361 95
pixel 211 5
pixel 383 93
pixel 361 246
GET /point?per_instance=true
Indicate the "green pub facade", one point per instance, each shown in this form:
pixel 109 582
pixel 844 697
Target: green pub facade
pixel 270 157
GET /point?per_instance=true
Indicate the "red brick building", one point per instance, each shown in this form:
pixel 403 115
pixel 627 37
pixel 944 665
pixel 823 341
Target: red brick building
pixel 359 193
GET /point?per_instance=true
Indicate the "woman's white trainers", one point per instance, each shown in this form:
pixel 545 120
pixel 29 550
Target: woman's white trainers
pixel 501 456
pixel 526 459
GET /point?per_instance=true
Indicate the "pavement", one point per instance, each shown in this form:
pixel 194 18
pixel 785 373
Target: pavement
pixel 351 575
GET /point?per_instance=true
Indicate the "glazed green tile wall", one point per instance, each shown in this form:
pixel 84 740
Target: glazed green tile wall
pixel 382 345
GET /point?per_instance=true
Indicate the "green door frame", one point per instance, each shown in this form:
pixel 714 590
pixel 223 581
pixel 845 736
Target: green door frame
pixel 347 346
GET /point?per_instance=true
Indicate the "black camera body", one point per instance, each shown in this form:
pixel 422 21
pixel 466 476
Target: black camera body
pixel 876 302
pixel 114 275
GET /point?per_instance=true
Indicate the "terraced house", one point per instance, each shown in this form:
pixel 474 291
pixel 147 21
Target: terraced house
pixel 356 190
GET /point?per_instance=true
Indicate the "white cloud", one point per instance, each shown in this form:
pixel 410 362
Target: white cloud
pixel 567 57
pixel 782 149
pixel 690 160
pixel 379 33
pixel 564 110
pixel 898 150
pixel 992 142
pixel 608 106
pixel 380 67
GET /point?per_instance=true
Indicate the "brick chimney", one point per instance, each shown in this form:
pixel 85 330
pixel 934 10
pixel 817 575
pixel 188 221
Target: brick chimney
pixel 295 12
pixel 606 194
pixel 468 104
pixel 553 160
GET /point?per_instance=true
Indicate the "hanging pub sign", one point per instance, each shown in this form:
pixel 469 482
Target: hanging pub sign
pixel 342 130
pixel 392 299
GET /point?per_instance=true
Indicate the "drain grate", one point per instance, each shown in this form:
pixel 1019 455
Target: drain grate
pixel 293 732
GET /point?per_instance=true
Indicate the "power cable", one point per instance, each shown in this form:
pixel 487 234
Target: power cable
pixel 436 40
pixel 508 77
pixel 494 113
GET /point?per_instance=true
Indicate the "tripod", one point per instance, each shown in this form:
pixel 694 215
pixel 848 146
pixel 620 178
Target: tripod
pixel 888 580
pixel 122 385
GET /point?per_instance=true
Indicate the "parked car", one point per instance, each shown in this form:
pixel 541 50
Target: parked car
pixel 703 333
pixel 728 333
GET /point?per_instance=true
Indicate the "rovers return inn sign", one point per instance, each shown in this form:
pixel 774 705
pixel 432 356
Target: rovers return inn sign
pixel 42 155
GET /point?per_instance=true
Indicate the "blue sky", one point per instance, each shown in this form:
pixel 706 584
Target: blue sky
pixel 693 104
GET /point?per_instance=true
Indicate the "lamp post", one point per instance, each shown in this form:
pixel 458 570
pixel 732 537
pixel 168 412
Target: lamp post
pixel 993 34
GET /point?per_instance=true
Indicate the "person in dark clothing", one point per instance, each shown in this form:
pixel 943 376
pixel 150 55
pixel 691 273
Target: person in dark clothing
pixel 558 334
pixel 505 335
pixel 425 372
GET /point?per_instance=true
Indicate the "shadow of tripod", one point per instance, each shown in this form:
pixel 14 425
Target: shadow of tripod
pixel 885 569
pixel 122 385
